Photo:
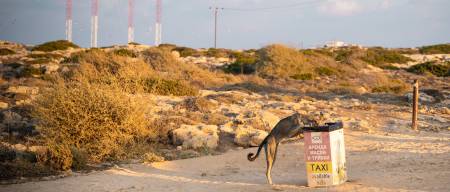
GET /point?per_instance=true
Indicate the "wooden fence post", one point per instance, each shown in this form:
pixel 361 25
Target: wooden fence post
pixel 415 104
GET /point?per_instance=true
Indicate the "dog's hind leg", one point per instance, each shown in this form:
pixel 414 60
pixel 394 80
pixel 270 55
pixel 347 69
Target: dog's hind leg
pixel 270 149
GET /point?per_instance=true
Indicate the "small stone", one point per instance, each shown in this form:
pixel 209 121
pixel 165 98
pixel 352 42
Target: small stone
pixel 3 105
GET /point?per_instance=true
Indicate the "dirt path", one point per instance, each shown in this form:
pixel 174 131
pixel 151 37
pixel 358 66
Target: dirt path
pixel 394 162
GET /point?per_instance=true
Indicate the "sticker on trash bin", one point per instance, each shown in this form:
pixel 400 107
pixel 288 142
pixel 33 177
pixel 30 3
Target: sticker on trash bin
pixel 319 167
pixel 317 146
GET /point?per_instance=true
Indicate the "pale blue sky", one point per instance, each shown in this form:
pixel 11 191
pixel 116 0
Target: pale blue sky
pixel 247 24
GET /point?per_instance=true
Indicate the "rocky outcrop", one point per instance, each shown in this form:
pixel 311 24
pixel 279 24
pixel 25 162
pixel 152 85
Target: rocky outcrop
pixel 249 137
pixel 423 98
pixel 196 136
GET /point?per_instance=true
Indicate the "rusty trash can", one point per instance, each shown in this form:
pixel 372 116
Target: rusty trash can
pixel 325 155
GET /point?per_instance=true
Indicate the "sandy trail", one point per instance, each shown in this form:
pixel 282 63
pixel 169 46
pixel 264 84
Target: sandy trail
pixel 376 162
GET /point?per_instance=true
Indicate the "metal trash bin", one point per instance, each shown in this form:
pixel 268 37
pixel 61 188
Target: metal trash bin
pixel 325 155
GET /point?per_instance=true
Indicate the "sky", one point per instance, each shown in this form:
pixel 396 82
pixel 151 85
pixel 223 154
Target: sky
pixel 242 24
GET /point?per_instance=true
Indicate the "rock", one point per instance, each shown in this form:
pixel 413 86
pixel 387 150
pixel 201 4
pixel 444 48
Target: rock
pixel 50 68
pixel 3 105
pixel 249 137
pixel 423 98
pixel 196 136
pixel 269 118
pixel 37 149
pixel 227 127
pixel 357 125
pixel 360 90
pixel 19 147
pixel 175 54
pixel 23 90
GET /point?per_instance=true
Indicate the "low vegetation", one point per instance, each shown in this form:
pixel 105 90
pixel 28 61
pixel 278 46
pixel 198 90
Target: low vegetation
pixel 54 46
pixel 125 53
pixel 383 57
pixel 435 49
pixel 440 70
pixel 5 51
pixel 188 52
pixel 245 63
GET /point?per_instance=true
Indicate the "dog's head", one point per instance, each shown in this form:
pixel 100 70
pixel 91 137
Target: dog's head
pixel 303 121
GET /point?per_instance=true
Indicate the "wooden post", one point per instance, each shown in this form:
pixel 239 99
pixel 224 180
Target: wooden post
pixel 415 104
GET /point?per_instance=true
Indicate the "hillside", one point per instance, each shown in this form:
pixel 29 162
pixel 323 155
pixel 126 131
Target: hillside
pixel 109 113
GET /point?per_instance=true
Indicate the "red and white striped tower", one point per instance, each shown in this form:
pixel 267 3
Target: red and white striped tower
pixel 130 21
pixel 158 28
pixel 69 20
pixel 94 23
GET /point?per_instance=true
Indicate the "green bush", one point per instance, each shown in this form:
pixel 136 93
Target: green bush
pixel 217 53
pixel 440 70
pixel 390 67
pixel 435 49
pixel 167 46
pixel 125 53
pixel 325 71
pixel 39 61
pixel 186 51
pixel 168 87
pixel 133 43
pixel 304 76
pixel 380 57
pixel 46 56
pixel 54 46
pixel 5 51
pixel 244 64
pixel 29 71
pixel 59 157
pixel 79 158
pixel 396 89
pixel 343 55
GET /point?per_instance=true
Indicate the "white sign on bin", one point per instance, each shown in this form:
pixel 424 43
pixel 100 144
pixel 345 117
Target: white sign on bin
pixel 325 155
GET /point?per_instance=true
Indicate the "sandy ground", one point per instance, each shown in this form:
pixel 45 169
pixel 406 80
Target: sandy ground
pixel 376 162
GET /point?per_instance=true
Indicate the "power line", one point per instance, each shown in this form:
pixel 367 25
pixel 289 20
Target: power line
pixel 289 6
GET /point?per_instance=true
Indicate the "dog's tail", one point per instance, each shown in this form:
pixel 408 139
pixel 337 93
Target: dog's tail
pixel 250 156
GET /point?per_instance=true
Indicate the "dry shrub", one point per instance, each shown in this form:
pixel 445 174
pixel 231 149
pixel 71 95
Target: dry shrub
pixel 382 83
pixel 97 119
pixel 152 157
pixel 59 157
pixel 160 86
pixel 215 119
pixel 79 158
pixel 281 61
pixel 99 67
pixel 162 60
pixel 130 75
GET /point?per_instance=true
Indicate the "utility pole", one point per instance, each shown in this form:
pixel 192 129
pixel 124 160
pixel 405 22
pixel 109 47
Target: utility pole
pixel 158 27
pixel 69 20
pixel 130 21
pixel 216 13
pixel 94 23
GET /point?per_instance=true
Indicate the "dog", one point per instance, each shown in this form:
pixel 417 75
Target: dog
pixel 288 127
